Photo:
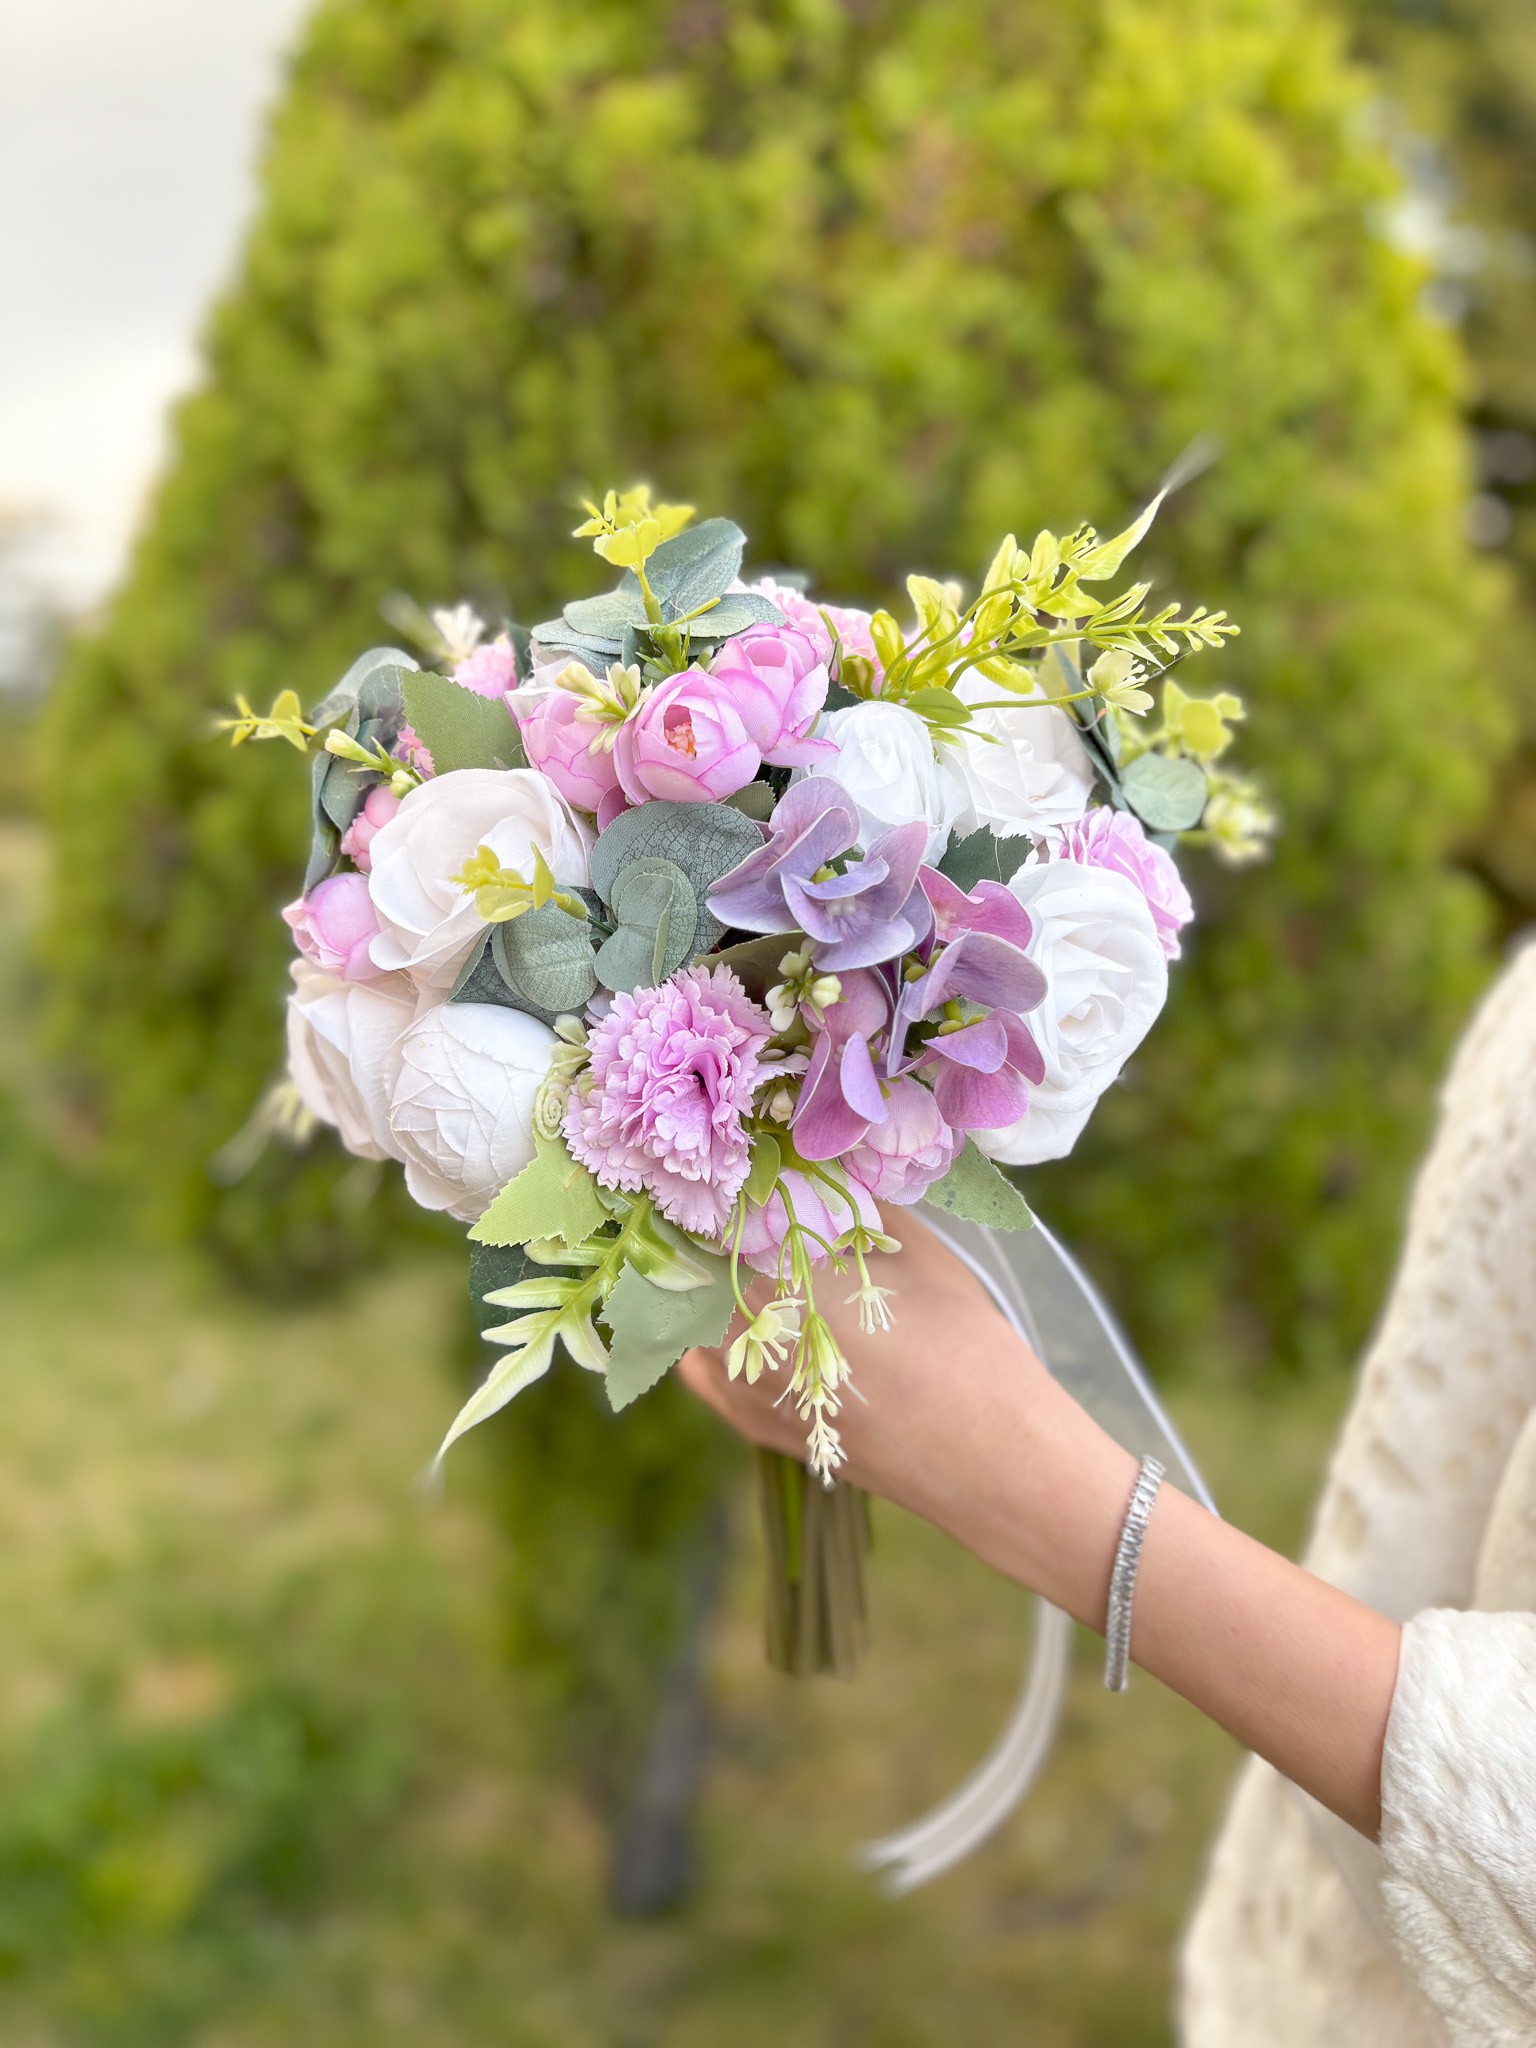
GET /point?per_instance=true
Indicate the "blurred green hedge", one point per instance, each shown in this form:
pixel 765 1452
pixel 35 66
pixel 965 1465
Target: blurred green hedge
pixel 881 280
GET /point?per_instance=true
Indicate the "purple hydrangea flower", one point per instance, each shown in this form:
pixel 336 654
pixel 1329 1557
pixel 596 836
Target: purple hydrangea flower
pixel 672 1073
pixel 870 913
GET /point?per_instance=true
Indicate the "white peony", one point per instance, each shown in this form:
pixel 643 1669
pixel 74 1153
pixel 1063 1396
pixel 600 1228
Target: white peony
pixel 1031 773
pixel 885 761
pixel 1097 945
pixel 462 1113
pixel 428 924
pixel 344 1052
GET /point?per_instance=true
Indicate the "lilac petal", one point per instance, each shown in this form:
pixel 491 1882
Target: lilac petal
pixel 987 970
pixel 969 1101
pixel 1023 1053
pixel 859 880
pixel 990 907
pixel 813 821
pixel 902 849
pixel 982 1046
pixel 824 1123
pixel 861 943
pixel 860 1085
pixel 863 1008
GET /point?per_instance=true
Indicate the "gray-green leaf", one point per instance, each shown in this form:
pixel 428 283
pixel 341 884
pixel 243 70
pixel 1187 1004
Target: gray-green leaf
pixel 1167 794
pixel 459 729
pixel 983 857
pixel 976 1190
pixel 705 840
pixel 651 1328
pixel 700 563
pixel 658 916
pixel 546 959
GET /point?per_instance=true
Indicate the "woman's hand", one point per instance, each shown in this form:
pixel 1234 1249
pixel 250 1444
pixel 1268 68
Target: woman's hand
pixel 951 1415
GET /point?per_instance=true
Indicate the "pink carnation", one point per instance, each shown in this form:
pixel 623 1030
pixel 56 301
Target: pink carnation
pixel 900 1159
pixel 491 670
pixel 672 1075
pixel 1105 838
pixel 333 926
pixel 379 806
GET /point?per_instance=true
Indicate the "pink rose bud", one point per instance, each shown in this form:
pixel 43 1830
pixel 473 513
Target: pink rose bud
pixel 686 744
pixel 777 680
pixel 379 806
pixel 334 925
pixel 567 749
pixel 899 1160
pixel 491 670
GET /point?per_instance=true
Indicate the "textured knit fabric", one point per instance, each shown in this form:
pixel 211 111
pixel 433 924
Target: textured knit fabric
pixel 1306 1936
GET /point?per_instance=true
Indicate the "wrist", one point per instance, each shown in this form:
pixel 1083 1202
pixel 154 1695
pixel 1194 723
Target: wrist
pixel 1041 1498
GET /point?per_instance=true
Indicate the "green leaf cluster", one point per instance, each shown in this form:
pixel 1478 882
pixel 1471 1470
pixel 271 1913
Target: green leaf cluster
pixel 678 601
pixel 654 867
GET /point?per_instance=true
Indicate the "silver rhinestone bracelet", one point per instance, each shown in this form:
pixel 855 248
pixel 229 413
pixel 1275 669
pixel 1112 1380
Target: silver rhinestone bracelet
pixel 1122 1580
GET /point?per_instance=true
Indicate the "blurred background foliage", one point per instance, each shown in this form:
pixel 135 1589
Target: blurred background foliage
pixel 881 280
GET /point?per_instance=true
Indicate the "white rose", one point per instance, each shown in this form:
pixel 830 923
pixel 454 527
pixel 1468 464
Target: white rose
pixel 344 1052
pixel 1033 771
pixel 462 1112
pixel 428 924
pixel 1107 977
pixel 885 761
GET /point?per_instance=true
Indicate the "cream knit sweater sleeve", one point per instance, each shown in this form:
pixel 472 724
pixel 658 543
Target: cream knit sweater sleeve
pixel 1429 1505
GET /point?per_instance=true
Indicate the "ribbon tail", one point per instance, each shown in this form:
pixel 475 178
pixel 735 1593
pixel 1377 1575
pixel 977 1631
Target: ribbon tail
pixel 1045 1295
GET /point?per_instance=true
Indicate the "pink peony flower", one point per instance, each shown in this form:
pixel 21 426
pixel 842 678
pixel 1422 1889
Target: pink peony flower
pixel 379 806
pixel 687 744
pixel 564 747
pixel 816 1208
pixel 672 1074
pixel 333 926
pixel 900 1159
pixel 491 670
pixel 1106 838
pixel 777 679
pixel 805 615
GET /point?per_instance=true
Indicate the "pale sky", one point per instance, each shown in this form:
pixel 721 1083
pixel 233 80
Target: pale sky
pixel 129 131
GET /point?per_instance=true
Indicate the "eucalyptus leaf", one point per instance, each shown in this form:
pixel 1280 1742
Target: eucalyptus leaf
pixel 705 840
pixel 546 959
pixel 556 637
pixel 480 980
pixel 981 856
pixel 657 913
pixel 553 1196
pixel 460 729
pixel 975 1189
pixel 607 617
pixel 694 566
pixel 650 1328
pixel 1166 794
pixel 338 704
pixel 733 614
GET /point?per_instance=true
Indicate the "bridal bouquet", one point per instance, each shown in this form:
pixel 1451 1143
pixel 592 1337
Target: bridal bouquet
pixel 686 938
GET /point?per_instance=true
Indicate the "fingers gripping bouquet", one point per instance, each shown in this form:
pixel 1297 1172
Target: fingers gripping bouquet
pixel 670 944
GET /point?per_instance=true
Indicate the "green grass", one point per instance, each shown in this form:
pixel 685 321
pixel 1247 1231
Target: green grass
pixel 264 1776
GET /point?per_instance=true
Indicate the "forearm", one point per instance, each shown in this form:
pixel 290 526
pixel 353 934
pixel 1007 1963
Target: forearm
pixel 1296 1670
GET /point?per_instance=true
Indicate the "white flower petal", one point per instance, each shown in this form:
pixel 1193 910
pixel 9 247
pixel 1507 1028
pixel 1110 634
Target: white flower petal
pixel 1107 978
pixel 427 923
pixel 344 1052
pixel 462 1109
pixel 1032 773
